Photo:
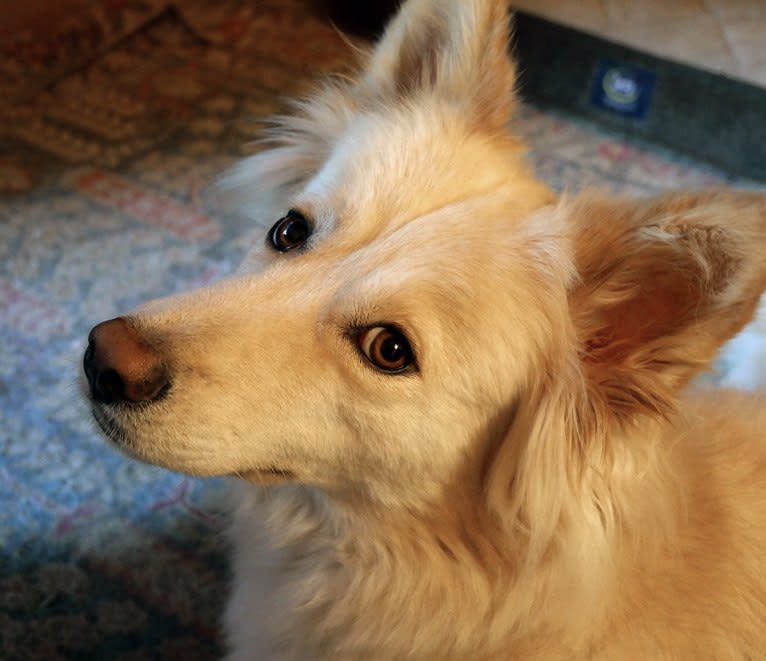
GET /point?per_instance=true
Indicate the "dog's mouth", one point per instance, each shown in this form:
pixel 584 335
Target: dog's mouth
pixel 269 475
pixel 110 427
pixel 117 435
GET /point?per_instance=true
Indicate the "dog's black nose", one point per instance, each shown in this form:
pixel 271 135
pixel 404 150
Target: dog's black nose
pixel 120 367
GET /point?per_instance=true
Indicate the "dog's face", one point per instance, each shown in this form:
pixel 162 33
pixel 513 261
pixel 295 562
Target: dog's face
pixel 419 293
pixel 366 345
pixel 363 329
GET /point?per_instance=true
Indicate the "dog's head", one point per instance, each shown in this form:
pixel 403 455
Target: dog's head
pixel 422 307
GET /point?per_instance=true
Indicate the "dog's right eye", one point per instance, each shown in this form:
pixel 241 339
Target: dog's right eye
pixel 290 231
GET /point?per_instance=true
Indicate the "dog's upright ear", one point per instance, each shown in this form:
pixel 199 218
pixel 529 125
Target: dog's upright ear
pixel 458 49
pixel 658 286
pixel 663 283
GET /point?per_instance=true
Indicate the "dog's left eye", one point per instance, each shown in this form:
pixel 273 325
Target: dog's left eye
pixel 290 232
pixel 386 348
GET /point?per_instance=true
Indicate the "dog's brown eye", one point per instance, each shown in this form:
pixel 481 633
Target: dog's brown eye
pixel 386 348
pixel 290 232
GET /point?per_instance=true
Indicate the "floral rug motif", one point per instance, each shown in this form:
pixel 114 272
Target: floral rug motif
pixel 107 150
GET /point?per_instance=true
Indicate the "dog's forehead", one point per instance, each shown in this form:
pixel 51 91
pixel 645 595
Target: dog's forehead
pixel 388 169
pixel 417 198
pixel 444 264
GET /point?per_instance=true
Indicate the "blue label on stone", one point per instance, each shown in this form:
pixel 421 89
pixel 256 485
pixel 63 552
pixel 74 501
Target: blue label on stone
pixel 623 89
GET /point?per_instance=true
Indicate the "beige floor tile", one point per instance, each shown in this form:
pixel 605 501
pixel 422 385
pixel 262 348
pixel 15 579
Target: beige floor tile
pixel 737 8
pixel 587 15
pixel 698 41
pixel 623 11
pixel 747 40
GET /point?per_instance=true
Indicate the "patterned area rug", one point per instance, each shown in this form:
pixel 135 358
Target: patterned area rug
pixel 104 173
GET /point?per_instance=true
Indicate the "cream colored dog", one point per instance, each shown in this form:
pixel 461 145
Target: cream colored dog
pixel 467 396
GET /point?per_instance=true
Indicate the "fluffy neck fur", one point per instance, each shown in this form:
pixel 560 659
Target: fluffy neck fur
pixel 460 578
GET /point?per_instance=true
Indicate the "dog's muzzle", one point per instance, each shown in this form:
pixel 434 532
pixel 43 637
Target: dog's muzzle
pixel 120 368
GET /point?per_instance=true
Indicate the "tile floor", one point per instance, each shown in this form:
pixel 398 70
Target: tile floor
pixel 724 36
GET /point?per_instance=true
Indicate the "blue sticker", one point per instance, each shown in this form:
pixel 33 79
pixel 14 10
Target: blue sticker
pixel 623 89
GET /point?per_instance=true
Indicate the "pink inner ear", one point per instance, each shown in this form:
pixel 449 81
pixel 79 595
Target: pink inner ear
pixel 663 304
pixel 663 283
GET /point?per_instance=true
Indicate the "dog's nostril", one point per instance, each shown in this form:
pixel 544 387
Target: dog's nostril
pixel 120 367
pixel 109 386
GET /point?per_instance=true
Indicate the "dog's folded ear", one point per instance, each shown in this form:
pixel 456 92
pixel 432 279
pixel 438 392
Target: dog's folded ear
pixel 662 284
pixel 456 48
